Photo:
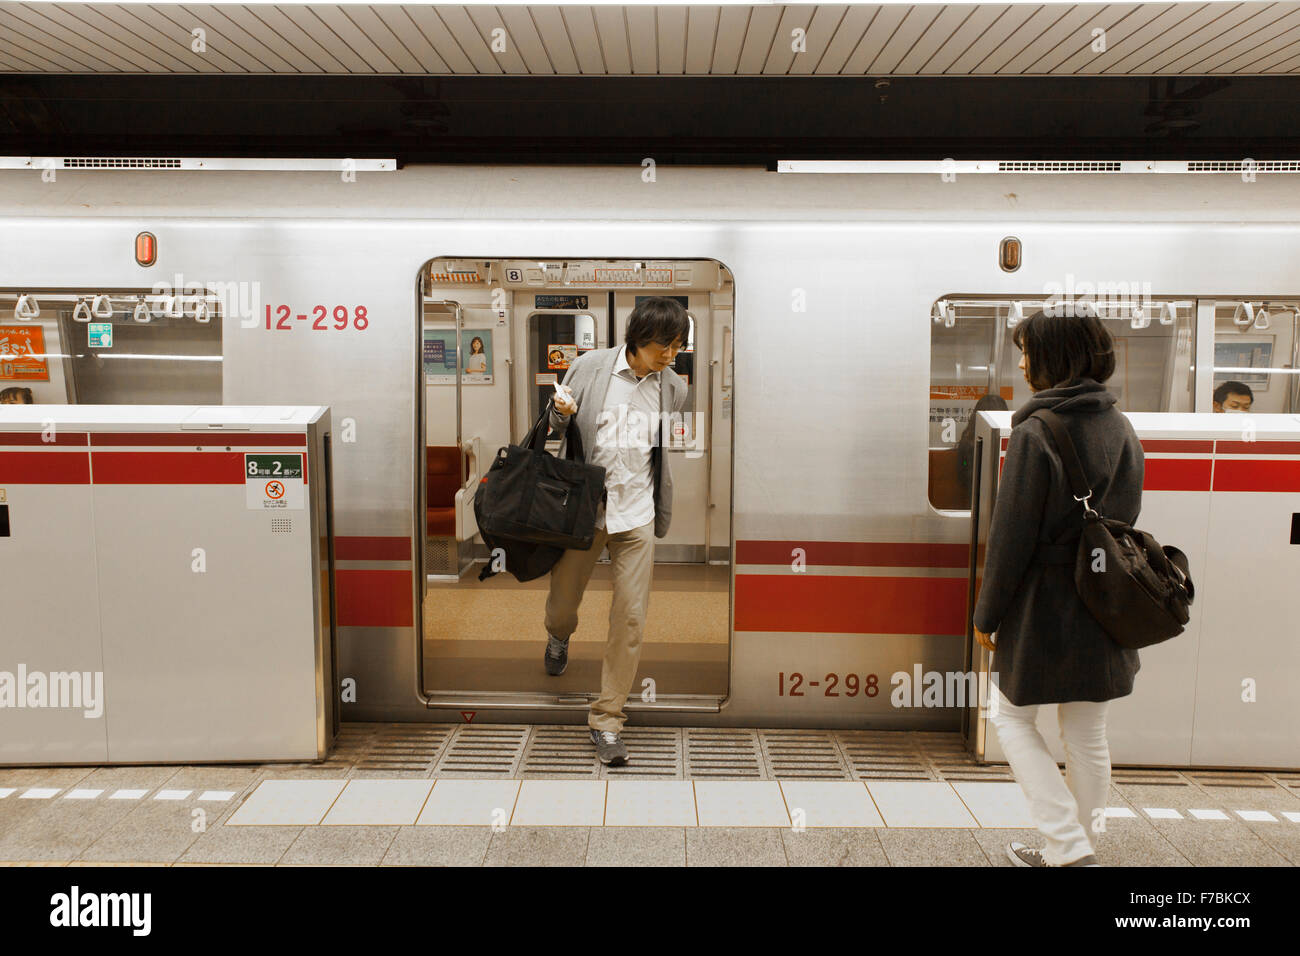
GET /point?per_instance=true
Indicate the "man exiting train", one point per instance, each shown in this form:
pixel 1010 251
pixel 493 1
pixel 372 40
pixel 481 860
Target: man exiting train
pixel 618 397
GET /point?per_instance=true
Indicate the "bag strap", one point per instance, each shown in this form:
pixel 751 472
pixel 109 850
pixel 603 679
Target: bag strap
pixel 1069 457
pixel 536 437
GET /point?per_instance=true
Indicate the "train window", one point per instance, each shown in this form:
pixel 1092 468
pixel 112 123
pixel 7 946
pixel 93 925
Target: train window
pixel 974 364
pixel 1255 356
pixel 112 348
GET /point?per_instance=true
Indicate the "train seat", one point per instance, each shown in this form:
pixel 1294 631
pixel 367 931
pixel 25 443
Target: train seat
pixel 442 481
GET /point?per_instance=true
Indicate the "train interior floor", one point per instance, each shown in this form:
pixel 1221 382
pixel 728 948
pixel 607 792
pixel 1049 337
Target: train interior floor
pixel 483 794
pixel 474 638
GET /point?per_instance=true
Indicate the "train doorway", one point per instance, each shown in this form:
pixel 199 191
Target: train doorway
pixel 496 335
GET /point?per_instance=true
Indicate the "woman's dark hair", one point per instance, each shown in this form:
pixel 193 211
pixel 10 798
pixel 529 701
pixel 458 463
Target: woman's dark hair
pixel 1062 349
pixel 471 344
pixel 658 319
pixel 18 396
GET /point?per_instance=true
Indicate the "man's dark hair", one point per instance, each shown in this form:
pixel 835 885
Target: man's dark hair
pixel 1063 349
pixel 658 319
pixel 23 396
pixel 1233 388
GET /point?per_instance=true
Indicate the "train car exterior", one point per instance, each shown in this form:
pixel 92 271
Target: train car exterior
pixel 840 566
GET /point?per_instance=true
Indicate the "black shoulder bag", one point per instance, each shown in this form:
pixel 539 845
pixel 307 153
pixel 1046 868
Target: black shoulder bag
pixel 1139 591
pixel 533 505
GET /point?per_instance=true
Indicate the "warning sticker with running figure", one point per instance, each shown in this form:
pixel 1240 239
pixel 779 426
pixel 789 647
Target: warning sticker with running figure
pixel 274 482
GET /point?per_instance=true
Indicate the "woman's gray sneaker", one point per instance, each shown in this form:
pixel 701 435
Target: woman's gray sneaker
pixel 1022 855
pixel 556 657
pixel 609 748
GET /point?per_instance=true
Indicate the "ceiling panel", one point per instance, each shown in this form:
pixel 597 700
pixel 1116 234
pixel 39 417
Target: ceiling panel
pixel 853 39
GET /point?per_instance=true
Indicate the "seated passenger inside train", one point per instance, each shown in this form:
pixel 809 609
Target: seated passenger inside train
pixel 16 396
pixel 1233 397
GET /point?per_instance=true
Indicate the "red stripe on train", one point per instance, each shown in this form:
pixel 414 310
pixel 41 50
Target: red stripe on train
pixel 150 439
pixel 1236 475
pixel 45 467
pixel 847 604
pixel 372 548
pixel 36 438
pixel 856 553
pixel 373 598
pixel 168 468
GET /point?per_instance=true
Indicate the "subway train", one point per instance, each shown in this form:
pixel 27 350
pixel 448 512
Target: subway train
pixel 843 327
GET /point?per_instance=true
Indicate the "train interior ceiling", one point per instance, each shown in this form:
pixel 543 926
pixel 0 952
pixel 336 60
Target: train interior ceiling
pixel 517 326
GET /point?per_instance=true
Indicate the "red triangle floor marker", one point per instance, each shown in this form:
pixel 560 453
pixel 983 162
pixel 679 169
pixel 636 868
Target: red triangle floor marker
pixel 468 715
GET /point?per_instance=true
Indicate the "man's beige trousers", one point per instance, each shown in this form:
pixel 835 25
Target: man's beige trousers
pixel 631 555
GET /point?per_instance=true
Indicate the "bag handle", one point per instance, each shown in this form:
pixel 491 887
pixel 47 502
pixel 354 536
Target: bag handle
pixel 536 437
pixel 1069 458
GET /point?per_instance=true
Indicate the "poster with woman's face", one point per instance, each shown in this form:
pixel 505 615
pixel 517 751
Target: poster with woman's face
pixel 440 353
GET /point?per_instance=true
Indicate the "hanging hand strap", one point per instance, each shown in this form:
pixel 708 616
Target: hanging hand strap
pixel 1069 457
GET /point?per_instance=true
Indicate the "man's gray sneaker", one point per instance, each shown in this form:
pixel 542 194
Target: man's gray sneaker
pixel 1021 855
pixel 557 655
pixel 609 748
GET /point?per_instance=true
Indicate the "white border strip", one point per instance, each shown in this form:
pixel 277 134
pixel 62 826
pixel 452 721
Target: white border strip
pixel 1018 167
pixel 172 163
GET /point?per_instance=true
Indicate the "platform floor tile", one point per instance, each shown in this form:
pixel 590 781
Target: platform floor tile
pixel 287 803
pixel 829 803
pixel 920 803
pixel 560 803
pixel 379 803
pixel 741 803
pixel 995 805
pixel 470 803
pixel 650 803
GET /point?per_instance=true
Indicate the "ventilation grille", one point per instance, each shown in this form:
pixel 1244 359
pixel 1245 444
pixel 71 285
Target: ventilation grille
pixel 1237 166
pixel 489 751
pixel 439 556
pixel 803 755
pixel 281 525
pixel 1230 778
pixel 884 755
pixel 723 753
pixel 409 749
pixel 118 162
pixel 560 752
pixel 1074 166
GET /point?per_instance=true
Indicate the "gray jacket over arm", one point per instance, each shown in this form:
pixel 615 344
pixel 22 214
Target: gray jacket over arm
pixel 588 378
pixel 1050 649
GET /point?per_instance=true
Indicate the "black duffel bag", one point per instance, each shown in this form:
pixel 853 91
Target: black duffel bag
pixel 1139 591
pixel 533 505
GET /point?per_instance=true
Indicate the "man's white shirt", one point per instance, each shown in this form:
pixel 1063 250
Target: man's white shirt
pixel 623 441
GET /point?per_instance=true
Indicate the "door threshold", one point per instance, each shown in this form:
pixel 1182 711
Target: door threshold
pixel 496 700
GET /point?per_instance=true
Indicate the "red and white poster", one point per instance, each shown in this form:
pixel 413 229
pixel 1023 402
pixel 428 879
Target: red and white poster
pixel 22 354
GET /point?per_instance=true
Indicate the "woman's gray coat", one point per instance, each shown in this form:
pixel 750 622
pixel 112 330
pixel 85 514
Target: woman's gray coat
pixel 1050 649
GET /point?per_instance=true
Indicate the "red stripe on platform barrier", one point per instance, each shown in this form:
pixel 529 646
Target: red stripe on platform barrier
pixel 1204 446
pixel 1177 474
pixel 44 468
pixel 168 468
pixel 1234 474
pixel 373 598
pixel 1258 448
pixel 847 604
pixel 37 438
